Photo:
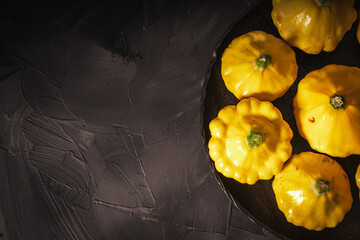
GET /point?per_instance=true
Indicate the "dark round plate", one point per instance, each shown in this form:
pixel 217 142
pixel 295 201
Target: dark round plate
pixel 258 201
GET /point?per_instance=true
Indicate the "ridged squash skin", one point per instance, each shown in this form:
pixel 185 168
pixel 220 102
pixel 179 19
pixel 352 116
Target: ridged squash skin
pixel 313 25
pixel 297 194
pixel 246 74
pixel 335 132
pixel 249 141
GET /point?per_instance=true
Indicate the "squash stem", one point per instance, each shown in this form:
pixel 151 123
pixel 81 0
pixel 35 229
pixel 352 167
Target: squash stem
pixel 337 102
pixel 262 62
pixel 323 2
pixel 254 139
pixel 322 186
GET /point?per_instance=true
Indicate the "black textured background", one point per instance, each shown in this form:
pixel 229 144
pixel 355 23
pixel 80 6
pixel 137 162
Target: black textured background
pixel 101 121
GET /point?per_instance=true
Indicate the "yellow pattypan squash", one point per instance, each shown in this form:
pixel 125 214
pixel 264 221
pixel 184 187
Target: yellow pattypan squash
pixel 313 25
pixel 258 65
pixel 357 178
pixel 313 191
pixel 249 141
pixel 327 110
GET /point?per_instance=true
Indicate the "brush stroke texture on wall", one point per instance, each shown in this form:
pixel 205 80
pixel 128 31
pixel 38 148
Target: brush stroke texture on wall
pixel 100 122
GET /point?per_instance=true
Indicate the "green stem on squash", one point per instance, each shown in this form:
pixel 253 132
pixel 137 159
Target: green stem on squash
pixel 262 62
pixel 254 139
pixel 337 102
pixel 323 2
pixel 322 186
